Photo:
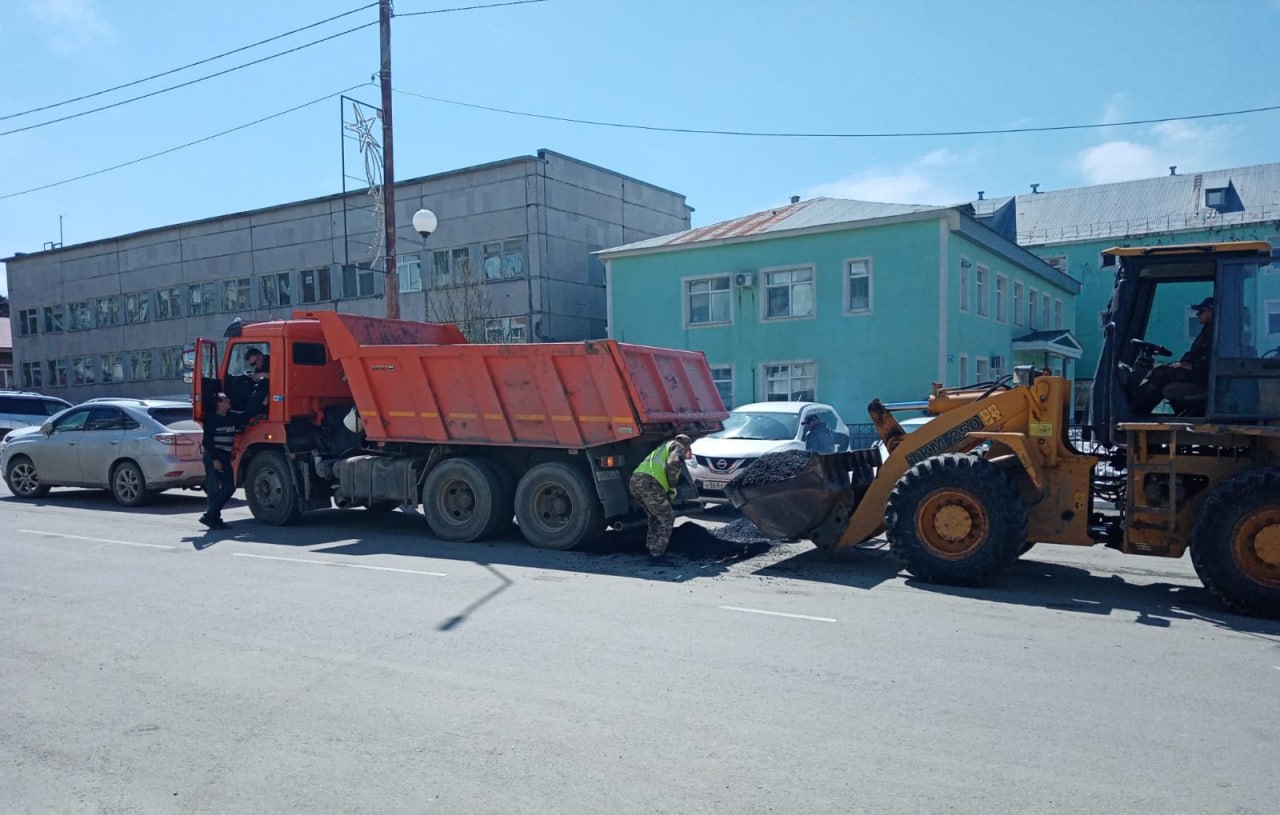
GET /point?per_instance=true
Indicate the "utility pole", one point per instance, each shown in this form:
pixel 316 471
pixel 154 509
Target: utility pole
pixel 388 164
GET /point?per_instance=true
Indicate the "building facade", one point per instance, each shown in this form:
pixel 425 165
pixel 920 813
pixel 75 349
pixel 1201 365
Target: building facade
pixel 512 261
pixel 841 301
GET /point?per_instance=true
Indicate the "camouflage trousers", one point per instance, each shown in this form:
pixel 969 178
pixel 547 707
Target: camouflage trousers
pixel 653 498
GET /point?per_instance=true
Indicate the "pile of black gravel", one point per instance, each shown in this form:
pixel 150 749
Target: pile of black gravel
pixel 696 542
pixel 772 467
pixel 742 531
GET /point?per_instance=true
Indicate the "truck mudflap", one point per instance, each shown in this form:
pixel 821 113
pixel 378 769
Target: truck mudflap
pixel 813 503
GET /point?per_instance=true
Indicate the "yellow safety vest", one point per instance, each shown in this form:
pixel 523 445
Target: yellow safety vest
pixel 656 464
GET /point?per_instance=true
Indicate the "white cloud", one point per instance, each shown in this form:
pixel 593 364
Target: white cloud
pixel 917 182
pixel 72 25
pixel 1189 146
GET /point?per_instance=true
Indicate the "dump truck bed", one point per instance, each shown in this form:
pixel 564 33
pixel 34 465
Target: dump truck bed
pixel 419 382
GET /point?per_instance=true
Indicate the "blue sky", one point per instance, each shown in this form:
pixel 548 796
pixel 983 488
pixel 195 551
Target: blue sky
pixel 804 65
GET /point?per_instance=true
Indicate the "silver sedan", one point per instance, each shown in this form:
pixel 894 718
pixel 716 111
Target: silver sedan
pixel 133 447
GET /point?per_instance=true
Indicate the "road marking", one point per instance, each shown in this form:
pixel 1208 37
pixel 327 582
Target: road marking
pixel 780 614
pixel 96 540
pixel 337 563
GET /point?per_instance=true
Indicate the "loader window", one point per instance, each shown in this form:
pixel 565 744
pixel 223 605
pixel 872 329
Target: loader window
pixel 1171 322
pixel 1246 377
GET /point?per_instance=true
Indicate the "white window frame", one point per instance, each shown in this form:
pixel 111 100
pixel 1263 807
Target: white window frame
pixel 964 370
pixel 981 369
pixel 1033 308
pixel 409 272
pixel 685 294
pixel 775 363
pixel 1058 313
pixel 965 265
pixel 764 292
pixel 716 381
pixel 1045 310
pixel 848 287
pixel 981 301
pixel 1018 290
pixel 1058 262
pixel 1270 305
pixel 1002 298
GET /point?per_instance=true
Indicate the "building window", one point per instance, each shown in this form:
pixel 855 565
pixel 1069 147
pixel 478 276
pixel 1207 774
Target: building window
pixel 1002 303
pixel 857 280
pixel 1216 198
pixel 111 368
pixel 81 315
pixel 32 375
pixel 708 301
pixel 1033 303
pixel 1044 311
pixel 1057 314
pixel 273 290
pixel 202 298
pixel 502 259
pixel 440 269
pixel 980 291
pixel 84 370
pixel 169 303
pixel 357 281
pixel 505 329
pixel 137 307
pixel 1273 317
pixel 59 373
pixel 1058 262
pixel 722 375
pixel 170 366
pixel 460 269
pixel 315 285
pixel 789 381
pixel 1017 303
pixel 964 284
pixel 409 270
pixel 28 322
pixel 789 293
pixel 108 309
pixel 140 369
pixel 235 295
pixel 980 370
pixel 964 370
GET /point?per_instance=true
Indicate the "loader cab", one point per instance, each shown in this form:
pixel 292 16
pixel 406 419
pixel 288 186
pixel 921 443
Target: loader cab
pixel 1151 320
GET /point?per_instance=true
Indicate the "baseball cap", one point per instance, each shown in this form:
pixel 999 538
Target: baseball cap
pixel 1203 304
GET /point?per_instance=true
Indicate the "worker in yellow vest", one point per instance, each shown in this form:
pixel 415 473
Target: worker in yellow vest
pixel 654 485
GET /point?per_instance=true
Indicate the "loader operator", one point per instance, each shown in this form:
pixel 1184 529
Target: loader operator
pixel 653 485
pixel 1183 380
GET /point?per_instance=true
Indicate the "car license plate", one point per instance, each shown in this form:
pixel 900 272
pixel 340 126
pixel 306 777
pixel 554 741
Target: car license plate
pixel 714 485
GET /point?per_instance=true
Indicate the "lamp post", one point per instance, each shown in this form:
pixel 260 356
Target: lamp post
pixel 424 223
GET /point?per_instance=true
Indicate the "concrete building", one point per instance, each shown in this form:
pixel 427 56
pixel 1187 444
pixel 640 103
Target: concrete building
pixel 841 301
pixel 7 377
pixel 512 259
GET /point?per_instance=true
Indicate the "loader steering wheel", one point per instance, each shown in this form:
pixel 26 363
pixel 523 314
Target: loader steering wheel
pixel 1143 346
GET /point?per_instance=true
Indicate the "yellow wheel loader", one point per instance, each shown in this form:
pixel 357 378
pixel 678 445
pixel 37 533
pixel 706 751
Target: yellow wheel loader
pixel 998 469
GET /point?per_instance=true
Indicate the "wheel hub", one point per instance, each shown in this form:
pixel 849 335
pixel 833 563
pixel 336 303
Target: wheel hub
pixel 1256 546
pixel 952 523
pixel 1267 544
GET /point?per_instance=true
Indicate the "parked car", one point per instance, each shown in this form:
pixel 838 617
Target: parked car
pixel 23 409
pixel 750 432
pixel 133 447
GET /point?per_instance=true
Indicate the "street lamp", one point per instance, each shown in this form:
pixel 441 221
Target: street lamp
pixel 424 223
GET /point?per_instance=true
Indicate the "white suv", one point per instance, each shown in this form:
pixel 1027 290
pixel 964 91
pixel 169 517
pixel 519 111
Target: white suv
pixel 750 432
pixel 22 409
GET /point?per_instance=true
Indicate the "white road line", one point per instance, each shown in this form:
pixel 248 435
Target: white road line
pixel 96 540
pixel 337 563
pixel 780 614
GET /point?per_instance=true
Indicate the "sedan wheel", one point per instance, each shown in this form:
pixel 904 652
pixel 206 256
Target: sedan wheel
pixel 22 478
pixel 129 486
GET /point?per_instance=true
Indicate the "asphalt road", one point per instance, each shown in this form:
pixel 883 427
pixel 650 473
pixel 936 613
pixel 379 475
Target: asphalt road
pixel 353 664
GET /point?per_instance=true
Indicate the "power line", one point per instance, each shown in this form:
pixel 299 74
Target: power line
pixel 867 135
pixel 187 83
pixel 469 8
pixel 182 146
pixel 188 65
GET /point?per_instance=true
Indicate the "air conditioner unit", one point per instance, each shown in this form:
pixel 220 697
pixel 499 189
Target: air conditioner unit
pixel 744 280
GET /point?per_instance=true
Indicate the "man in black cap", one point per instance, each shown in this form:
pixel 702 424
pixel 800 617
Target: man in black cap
pixel 817 436
pixel 1186 378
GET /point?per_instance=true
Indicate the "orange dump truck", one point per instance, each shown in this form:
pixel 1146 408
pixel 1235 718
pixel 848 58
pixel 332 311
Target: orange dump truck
pixel 378 413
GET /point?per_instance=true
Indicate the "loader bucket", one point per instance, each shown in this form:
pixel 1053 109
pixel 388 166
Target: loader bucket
pixel 794 507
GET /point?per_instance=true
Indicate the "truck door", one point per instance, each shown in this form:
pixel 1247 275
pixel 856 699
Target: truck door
pixel 206 383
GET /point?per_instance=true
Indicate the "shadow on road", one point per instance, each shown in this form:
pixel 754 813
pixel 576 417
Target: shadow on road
pixel 174 502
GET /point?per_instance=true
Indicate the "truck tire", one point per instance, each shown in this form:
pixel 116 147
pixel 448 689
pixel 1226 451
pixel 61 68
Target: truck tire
pixel 1235 543
pixel 504 498
pixel 462 499
pixel 268 487
pixel 956 519
pixel 557 507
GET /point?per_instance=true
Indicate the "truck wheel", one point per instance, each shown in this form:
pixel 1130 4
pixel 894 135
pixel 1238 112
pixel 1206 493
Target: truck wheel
pixel 268 486
pixel 461 498
pixel 1235 543
pixel 504 491
pixel 957 519
pixel 557 507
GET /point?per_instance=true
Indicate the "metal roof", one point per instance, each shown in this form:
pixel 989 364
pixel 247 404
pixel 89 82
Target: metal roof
pixel 815 212
pixel 1148 206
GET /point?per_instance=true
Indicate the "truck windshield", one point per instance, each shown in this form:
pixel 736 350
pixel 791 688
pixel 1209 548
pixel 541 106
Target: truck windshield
pixel 760 426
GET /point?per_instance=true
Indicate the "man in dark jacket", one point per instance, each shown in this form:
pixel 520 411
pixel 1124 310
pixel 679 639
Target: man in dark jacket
pixel 220 429
pixel 1185 378
pixel 817 436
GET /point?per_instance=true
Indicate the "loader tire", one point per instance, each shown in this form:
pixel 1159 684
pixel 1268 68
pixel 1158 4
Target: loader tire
pixel 956 519
pixel 461 498
pixel 1235 543
pixel 557 507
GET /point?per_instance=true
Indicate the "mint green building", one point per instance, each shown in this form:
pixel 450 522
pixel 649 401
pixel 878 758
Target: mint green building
pixel 841 301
